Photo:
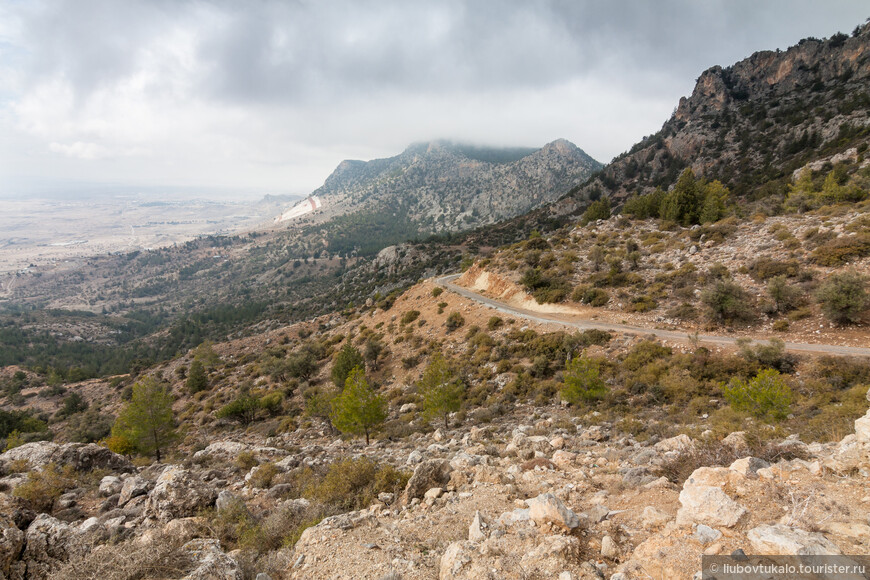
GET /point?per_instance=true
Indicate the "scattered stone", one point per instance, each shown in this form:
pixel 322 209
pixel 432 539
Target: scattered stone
pixel 475 530
pixel 652 517
pixel 748 466
pixel 706 535
pixel 548 509
pixel 212 562
pixel 432 473
pixel 704 502
pixel 608 547
pixel 110 485
pixel 133 486
pixel 788 541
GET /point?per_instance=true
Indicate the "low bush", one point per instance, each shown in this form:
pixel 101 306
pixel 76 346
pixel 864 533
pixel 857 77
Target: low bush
pixel 842 250
pixel 355 483
pixel 454 321
pixel 766 396
pixel 727 302
pixel 844 297
pixel 43 487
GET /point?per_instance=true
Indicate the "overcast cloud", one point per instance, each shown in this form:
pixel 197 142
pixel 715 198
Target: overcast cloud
pixel 268 96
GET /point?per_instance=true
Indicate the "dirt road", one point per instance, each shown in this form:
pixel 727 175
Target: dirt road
pixel 573 322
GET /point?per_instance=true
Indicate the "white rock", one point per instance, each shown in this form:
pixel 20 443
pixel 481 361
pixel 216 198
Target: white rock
pixel 706 534
pixel 547 508
pixel 110 485
pixel 788 541
pixel 433 493
pixel 679 443
pixel 708 504
pixel 475 530
pixel 748 466
pixel 652 517
pixel 608 547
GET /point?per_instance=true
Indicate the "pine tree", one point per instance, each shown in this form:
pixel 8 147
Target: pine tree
pixel 347 359
pixel 147 421
pixel 196 378
pixel 683 203
pixel 358 410
pixel 441 390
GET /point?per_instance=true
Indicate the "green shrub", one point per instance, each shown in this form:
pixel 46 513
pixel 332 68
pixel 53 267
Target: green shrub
pixel 243 409
pixel 263 476
pixel 842 250
pixel 45 486
pixel 582 382
pixel 441 389
pixel 785 296
pixel 771 355
pixel 767 395
pixel 546 286
pixel 454 321
pixel 641 304
pixel 272 403
pixel 844 297
pixel 409 316
pixel 591 296
pixel 597 210
pixel 494 323
pixel 436 292
pixel 766 268
pixel 358 410
pixel 355 483
pixel 727 302
pixel 197 380
pixel 347 359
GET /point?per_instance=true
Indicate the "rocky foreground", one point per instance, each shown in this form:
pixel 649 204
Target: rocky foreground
pixel 547 499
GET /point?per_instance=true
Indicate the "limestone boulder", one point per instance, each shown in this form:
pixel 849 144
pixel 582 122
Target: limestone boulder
pixel 49 543
pixel 178 494
pixel 429 474
pixel 211 562
pixel 547 509
pixel 784 540
pixel 703 500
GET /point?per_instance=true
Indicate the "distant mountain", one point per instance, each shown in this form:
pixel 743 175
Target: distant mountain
pixel 752 124
pixel 445 187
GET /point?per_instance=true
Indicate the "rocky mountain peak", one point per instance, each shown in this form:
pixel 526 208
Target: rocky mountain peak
pixel 767 114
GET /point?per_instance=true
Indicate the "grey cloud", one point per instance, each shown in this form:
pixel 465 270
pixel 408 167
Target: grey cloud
pixel 277 51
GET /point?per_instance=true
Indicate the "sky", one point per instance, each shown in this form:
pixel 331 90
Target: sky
pixel 263 96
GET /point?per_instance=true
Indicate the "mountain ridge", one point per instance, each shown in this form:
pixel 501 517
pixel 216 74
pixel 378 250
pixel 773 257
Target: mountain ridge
pixel 751 123
pixel 441 186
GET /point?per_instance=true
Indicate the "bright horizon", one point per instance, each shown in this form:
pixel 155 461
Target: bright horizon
pixel 269 98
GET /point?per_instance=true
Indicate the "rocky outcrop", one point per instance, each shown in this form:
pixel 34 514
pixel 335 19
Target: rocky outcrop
pixel 750 115
pixel 548 510
pixel 50 543
pixel 788 541
pixel 82 457
pixel 177 494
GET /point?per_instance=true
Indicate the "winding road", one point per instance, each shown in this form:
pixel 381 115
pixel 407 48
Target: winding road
pixel 725 341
